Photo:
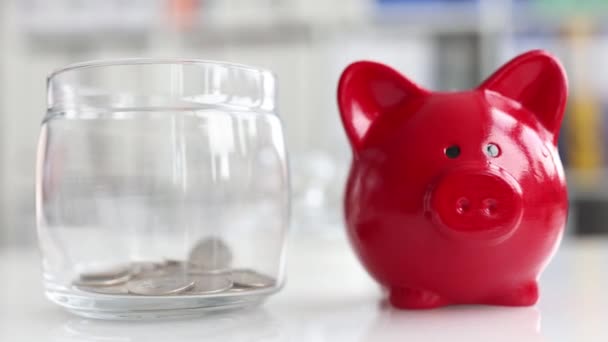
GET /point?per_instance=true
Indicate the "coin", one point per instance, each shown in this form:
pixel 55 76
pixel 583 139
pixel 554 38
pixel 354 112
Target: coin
pixel 159 286
pixel 250 278
pixel 112 290
pixel 210 254
pixel 194 270
pixel 107 277
pixel 236 288
pixel 210 284
pixel 175 268
pixel 144 267
pixel 167 268
pixel 106 273
pixel 173 263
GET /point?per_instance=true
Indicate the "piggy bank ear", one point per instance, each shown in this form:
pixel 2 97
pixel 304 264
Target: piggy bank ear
pixel 536 80
pixel 366 91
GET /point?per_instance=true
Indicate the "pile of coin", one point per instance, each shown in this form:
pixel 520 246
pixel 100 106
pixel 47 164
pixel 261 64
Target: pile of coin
pixel 207 271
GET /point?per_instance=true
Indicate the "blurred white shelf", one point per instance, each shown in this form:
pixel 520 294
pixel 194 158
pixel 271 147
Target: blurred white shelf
pixel 68 19
pixel 253 21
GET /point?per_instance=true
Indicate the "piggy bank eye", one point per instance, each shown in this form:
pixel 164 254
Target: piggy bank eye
pixel 492 150
pixel 452 151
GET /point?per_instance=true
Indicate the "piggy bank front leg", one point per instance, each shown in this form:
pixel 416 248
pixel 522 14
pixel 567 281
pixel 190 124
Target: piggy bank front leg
pixel 410 298
pixel 523 295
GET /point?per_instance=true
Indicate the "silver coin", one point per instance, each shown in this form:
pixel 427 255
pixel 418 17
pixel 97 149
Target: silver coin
pixel 250 278
pixel 174 263
pixel 236 288
pixel 106 277
pixel 210 254
pixel 210 284
pixel 111 290
pixel 159 286
pixel 164 269
pixel 175 268
pixel 195 271
pixel 144 267
pixel 106 273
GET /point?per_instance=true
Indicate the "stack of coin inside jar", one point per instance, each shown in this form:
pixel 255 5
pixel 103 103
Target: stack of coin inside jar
pixel 207 271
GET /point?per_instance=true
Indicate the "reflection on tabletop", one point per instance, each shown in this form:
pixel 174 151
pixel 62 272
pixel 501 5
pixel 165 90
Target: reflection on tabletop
pixel 250 325
pixel 458 323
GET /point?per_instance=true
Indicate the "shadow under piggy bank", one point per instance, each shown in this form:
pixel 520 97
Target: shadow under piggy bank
pixel 456 323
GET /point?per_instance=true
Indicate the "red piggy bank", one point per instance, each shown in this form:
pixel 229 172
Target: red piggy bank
pixel 456 197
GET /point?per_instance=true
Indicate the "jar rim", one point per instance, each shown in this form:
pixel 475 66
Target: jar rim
pixel 94 63
pixel 160 83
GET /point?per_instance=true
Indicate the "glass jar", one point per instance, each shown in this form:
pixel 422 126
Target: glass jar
pixel 162 188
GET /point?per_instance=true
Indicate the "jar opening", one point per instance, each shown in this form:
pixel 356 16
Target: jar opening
pixel 124 84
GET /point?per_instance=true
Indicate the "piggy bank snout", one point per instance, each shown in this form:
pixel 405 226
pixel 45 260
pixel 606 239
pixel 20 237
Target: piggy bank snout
pixel 487 201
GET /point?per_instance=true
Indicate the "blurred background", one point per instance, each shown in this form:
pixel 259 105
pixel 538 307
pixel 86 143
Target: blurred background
pixel 444 45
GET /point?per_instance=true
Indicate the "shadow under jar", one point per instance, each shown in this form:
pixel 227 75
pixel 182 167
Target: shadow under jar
pixel 162 188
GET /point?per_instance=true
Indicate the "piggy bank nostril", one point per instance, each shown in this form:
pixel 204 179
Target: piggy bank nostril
pixel 490 206
pixel 463 205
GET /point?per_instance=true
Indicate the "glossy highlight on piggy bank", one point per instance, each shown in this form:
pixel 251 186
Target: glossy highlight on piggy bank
pixel 456 197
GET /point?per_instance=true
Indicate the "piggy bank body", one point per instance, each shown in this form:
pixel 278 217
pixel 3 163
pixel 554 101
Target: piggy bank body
pixel 456 197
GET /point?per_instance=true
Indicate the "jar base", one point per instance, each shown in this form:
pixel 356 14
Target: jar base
pixel 124 307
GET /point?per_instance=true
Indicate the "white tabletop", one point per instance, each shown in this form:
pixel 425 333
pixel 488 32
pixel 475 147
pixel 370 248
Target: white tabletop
pixel 329 297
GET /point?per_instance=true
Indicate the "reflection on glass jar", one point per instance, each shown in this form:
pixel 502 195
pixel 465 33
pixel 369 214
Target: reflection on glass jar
pixel 162 188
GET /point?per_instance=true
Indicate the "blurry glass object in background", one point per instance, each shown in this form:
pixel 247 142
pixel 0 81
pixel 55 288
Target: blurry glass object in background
pixel 317 193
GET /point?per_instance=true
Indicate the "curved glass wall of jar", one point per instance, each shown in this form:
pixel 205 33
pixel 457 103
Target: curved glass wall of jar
pixel 162 188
